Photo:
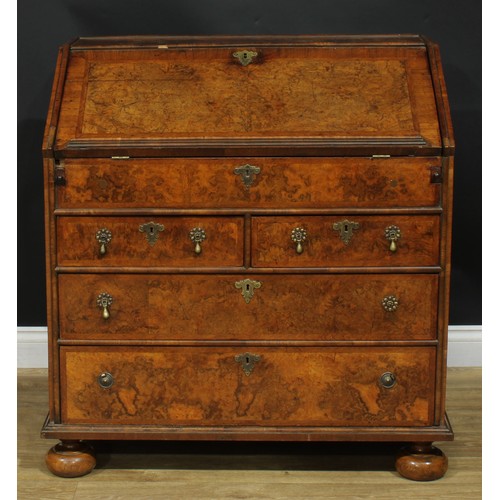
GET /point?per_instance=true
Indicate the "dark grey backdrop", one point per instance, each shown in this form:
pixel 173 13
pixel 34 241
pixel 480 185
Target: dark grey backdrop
pixel 454 24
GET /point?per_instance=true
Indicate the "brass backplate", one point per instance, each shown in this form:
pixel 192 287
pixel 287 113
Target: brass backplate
pixel 390 303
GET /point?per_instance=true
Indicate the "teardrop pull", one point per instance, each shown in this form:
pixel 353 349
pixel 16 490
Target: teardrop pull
pixel 105 312
pixel 392 233
pixel 299 234
pixel 104 300
pixel 197 236
pixel 103 237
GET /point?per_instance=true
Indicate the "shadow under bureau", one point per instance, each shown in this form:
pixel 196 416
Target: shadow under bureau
pixel 248 238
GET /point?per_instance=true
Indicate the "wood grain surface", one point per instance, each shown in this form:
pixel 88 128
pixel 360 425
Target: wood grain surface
pixel 212 183
pixel 312 386
pixel 294 307
pixel 272 245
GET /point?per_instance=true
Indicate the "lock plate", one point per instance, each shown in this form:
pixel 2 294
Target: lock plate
pixel 152 231
pixel 247 288
pixel 248 173
pixel 345 229
pixel 245 57
pixel 247 361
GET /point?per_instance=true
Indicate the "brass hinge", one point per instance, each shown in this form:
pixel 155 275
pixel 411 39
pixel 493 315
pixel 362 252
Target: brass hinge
pixel 436 175
pixel 120 157
pixel 381 156
pixel 59 175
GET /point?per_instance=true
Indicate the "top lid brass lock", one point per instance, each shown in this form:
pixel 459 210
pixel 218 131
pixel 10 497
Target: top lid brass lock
pixel 245 56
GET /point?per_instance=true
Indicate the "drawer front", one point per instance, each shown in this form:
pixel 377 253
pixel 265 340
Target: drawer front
pixel 210 183
pixel 248 385
pixel 266 307
pixel 340 241
pixel 150 242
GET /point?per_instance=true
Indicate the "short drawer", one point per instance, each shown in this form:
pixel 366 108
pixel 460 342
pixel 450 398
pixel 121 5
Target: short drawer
pixel 338 241
pixel 150 242
pixel 250 182
pixel 248 307
pixel 248 385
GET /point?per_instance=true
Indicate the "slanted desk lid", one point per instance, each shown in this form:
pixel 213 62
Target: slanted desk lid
pixel 244 95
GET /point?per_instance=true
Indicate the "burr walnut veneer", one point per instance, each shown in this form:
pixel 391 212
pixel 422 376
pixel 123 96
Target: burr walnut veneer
pixel 248 238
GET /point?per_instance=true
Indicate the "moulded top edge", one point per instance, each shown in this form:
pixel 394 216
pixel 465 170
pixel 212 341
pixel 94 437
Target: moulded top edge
pixel 137 149
pixel 153 41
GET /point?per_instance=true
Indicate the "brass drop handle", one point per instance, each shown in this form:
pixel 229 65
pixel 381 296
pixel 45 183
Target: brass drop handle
pixel 299 235
pixel 392 233
pixel 105 380
pixel 388 380
pixel 104 300
pixel 197 236
pixel 103 236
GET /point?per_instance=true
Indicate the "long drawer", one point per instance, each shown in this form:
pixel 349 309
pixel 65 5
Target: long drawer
pixel 248 385
pixel 150 241
pixel 241 307
pixel 337 241
pixel 250 182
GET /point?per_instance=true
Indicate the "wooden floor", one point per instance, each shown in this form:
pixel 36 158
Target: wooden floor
pixel 194 471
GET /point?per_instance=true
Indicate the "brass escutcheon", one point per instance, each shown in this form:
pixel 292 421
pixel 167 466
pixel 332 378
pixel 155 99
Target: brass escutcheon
pixel 151 230
pixel 392 233
pixel 345 228
pixel 299 235
pixel 248 173
pixel 103 236
pixel 247 288
pixel 390 303
pixel 104 300
pixel 245 56
pixel 197 235
pixel 247 361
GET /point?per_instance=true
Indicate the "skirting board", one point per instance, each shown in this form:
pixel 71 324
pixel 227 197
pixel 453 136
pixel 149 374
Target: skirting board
pixel 464 346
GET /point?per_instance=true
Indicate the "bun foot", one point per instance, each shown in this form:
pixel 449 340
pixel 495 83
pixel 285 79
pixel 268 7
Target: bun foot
pixel 70 459
pixel 422 462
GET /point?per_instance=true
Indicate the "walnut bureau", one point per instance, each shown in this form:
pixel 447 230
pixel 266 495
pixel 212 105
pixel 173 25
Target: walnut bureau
pixel 248 238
